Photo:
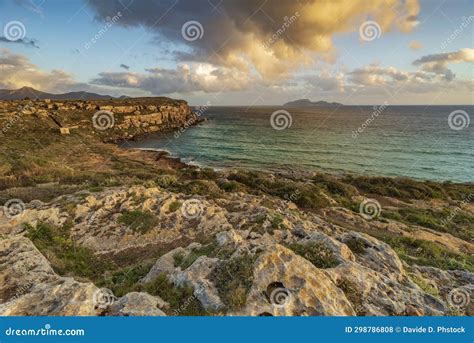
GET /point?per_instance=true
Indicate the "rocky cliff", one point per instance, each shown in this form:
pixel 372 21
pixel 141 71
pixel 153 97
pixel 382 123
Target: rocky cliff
pixel 109 119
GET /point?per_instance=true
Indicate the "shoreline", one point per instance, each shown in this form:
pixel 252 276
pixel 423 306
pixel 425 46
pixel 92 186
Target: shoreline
pixel 300 172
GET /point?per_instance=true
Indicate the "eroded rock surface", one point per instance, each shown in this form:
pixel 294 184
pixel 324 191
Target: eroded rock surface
pixel 271 257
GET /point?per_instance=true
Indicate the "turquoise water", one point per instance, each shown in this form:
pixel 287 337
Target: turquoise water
pixel 413 141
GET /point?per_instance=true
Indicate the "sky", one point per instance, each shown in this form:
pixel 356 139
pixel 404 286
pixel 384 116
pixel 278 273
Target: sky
pixel 243 52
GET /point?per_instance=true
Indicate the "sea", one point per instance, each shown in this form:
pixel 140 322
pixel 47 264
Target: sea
pixel 421 142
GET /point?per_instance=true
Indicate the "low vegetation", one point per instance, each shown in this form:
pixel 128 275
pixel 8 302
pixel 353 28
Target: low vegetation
pixel 317 253
pixel 427 253
pixel 404 188
pixel 233 279
pixel 304 194
pixel 459 223
pixel 181 299
pixel 138 221
pixel 67 258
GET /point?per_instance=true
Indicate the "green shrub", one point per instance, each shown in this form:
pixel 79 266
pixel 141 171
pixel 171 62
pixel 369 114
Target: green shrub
pixel 406 188
pixel 424 285
pixel 277 221
pixel 230 186
pixel 351 293
pixel 166 181
pixel 334 186
pixel 66 257
pixel 182 300
pixel 460 225
pixel 305 195
pixel 356 245
pixel 210 250
pixel 427 253
pixel 233 279
pixel 200 187
pixel 317 253
pixel 125 280
pixel 174 206
pixel 138 221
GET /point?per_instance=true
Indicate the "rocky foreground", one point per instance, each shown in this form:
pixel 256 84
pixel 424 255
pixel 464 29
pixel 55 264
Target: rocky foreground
pixel 91 229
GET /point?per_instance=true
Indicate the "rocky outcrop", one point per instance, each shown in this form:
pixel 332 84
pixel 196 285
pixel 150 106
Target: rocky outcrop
pixel 31 287
pixel 137 304
pixel 301 266
pixel 197 277
pixel 111 120
pixel 286 284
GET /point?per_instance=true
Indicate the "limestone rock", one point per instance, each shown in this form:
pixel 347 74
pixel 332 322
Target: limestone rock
pixel 30 286
pixel 377 255
pixel 137 304
pixel 164 265
pixel 228 237
pixel 286 284
pixel 375 294
pixel 195 276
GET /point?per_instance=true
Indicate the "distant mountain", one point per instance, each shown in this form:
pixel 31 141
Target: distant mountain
pixel 31 93
pixel 308 103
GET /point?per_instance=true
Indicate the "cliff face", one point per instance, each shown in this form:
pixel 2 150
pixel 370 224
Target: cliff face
pixel 108 119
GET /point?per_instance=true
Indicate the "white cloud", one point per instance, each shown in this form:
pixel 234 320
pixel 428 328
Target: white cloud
pixel 17 71
pixel 438 63
pixel 184 79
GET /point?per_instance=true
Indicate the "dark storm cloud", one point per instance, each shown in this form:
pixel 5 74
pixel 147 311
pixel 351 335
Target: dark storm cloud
pixel 236 34
pixel 24 41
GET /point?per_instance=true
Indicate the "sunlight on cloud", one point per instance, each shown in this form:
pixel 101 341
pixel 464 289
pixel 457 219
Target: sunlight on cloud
pixel 237 35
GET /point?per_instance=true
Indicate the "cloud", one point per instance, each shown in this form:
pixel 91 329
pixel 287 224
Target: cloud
pixel 438 63
pixel 24 41
pixel 183 79
pixel 414 45
pixel 375 79
pixel 17 71
pixel 327 83
pixel 236 33
pixel 374 75
pixel 124 66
